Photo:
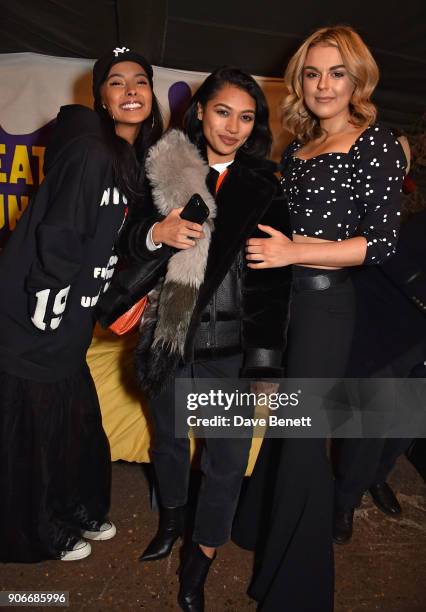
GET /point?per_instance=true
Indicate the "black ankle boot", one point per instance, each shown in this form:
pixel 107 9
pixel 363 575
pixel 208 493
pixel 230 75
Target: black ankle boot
pixel 193 575
pixel 342 525
pixel 170 528
pixel 385 499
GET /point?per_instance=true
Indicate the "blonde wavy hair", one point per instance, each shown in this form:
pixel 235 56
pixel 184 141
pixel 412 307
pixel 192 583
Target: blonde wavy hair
pixel 362 69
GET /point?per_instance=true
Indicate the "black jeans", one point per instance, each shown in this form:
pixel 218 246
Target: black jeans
pixel 223 461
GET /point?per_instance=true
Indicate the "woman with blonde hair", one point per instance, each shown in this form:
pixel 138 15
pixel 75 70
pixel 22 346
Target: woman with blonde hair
pixel 342 176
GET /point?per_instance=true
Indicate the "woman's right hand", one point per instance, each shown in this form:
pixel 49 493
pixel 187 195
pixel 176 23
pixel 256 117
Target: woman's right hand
pixel 177 232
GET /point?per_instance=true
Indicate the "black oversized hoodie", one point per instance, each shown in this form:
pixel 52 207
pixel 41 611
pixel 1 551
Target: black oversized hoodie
pixel 60 256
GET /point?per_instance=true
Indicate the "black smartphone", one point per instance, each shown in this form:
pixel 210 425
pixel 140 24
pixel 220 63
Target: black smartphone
pixel 196 210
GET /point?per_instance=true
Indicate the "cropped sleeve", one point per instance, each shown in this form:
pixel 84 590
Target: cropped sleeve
pixel 376 185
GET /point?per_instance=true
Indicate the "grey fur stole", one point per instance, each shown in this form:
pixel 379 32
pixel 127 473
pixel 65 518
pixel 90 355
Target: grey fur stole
pixel 176 171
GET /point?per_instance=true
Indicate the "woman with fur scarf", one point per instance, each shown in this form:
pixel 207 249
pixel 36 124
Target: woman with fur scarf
pixel 210 316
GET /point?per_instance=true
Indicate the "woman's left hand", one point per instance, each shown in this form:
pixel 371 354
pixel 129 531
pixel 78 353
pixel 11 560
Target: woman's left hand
pixel 273 252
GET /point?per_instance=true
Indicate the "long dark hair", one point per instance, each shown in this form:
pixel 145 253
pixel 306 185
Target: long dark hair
pixel 128 160
pixel 260 140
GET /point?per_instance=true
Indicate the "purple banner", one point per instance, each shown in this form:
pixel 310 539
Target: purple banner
pixel 21 172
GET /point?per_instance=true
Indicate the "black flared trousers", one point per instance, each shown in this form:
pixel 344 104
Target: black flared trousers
pixel 223 461
pixel 286 515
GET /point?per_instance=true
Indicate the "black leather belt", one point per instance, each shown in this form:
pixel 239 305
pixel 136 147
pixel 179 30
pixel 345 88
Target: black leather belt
pixel 319 282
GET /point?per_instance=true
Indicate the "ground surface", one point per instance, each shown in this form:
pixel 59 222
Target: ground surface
pixel 383 568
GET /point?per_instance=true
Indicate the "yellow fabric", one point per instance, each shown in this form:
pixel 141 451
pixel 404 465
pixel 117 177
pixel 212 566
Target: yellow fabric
pixel 125 413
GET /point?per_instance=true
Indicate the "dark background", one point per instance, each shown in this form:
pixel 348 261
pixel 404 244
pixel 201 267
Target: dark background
pixel 258 36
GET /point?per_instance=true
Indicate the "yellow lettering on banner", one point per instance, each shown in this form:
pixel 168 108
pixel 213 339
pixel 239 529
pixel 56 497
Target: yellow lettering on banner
pixel 3 176
pixel 39 153
pixel 15 209
pixel 2 215
pixel 21 168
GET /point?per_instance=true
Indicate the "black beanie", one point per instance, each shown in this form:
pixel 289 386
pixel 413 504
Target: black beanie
pixel 119 54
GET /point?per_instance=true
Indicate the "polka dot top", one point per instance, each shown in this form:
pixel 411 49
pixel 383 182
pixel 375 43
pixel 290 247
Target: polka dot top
pixel 340 195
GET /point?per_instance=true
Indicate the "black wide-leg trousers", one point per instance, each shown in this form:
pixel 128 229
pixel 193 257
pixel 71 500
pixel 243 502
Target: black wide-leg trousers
pixel 286 516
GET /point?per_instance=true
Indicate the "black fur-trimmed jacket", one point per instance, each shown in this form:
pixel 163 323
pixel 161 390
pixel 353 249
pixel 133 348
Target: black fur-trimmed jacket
pixel 237 309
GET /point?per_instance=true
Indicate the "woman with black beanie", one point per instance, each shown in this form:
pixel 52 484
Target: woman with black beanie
pixel 55 469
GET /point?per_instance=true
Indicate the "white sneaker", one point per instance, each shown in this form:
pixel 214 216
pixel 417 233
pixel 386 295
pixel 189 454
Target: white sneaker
pixel 105 531
pixel 80 550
